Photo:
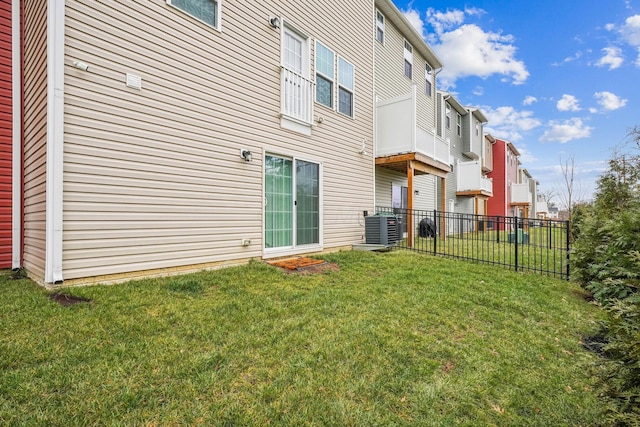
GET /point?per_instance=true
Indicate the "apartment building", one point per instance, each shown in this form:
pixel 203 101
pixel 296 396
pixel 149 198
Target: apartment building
pixel 412 160
pixel 162 136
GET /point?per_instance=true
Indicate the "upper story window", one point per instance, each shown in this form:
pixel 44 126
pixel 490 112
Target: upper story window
pixel 296 86
pixel 325 75
pixel 346 86
pixel 477 128
pixel 458 124
pixel 207 11
pixel 408 59
pixel 427 80
pixel 447 116
pixel 379 27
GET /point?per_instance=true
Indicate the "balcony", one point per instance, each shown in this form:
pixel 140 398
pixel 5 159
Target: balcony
pixel 520 194
pixel 296 104
pixel 399 138
pixel 471 182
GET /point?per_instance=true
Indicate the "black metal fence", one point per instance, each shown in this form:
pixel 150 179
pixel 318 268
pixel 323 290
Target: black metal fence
pixel 522 244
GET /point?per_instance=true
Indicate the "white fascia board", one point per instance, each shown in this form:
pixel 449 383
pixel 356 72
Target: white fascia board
pixel 16 135
pixel 55 140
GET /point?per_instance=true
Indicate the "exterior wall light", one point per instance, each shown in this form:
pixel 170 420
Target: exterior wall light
pixel 245 155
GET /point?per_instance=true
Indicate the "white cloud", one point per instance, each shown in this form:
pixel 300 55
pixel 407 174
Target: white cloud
pixel 612 58
pixel 566 131
pixel 413 16
pixel 468 50
pixel 508 123
pixel 568 103
pixel 529 100
pixel 609 101
pixel 593 110
pixel 630 33
pixel 478 91
pixel 568 59
pixel 630 30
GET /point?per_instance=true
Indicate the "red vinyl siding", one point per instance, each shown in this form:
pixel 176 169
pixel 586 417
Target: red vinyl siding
pixel 6 114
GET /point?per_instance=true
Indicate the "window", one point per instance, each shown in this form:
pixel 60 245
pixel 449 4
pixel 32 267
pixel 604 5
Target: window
pixel 207 11
pixel 477 128
pixel 408 59
pixel 325 75
pixel 346 85
pixel 458 124
pixel 379 27
pixel 427 80
pixel 447 117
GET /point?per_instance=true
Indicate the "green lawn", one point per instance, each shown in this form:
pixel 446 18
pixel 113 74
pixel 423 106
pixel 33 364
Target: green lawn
pixel 395 338
pixel 544 250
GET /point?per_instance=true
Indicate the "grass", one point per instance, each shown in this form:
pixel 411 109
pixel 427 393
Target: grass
pixel 391 339
pixel 544 252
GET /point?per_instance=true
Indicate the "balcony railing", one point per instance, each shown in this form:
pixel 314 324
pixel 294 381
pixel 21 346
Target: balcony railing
pixel 297 96
pixel 520 193
pixel 433 146
pixel 470 178
pixel 397 131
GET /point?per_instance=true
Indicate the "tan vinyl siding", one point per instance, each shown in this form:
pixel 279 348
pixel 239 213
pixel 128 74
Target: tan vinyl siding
pixel 153 178
pixel 35 136
pixel 385 179
pixel 426 197
pixel 390 78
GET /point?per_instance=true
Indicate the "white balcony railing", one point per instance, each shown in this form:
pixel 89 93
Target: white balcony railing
pixel 297 96
pixel 397 130
pixel 469 178
pixel 520 193
pixel 431 145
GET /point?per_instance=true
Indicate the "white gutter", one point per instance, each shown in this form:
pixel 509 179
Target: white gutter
pixel 55 140
pixel 16 135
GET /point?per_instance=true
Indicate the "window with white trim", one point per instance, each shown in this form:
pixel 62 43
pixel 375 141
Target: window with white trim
pixel 325 75
pixel 207 11
pixel 427 80
pixel 379 27
pixel 458 124
pixel 447 116
pixel 408 59
pixel 346 86
pixel 477 128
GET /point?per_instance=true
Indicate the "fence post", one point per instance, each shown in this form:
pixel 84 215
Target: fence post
pixel 549 228
pixel 515 238
pixel 567 247
pixel 497 227
pixel 435 231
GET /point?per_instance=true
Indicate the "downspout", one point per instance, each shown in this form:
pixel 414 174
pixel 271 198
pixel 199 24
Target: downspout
pixel 16 135
pixel 55 140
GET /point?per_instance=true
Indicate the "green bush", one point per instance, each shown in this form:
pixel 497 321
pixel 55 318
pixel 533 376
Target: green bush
pixel 606 260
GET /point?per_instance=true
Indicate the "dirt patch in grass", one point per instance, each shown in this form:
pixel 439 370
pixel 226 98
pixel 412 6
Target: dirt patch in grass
pixel 304 266
pixel 67 300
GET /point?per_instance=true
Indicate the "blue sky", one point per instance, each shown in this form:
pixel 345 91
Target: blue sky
pixel 556 78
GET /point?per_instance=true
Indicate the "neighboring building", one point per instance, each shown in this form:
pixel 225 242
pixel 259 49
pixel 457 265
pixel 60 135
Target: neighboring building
pixel 524 194
pixel 411 158
pixel 505 178
pixel 160 138
pixel 468 187
pixel 542 209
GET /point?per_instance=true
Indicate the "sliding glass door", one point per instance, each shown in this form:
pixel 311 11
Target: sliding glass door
pixel 292 196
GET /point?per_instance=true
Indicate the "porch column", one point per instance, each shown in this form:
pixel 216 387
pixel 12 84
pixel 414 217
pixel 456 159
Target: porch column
pixel 410 173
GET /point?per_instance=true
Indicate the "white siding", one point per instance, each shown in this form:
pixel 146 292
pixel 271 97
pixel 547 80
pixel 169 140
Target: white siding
pixel 385 179
pixel 153 177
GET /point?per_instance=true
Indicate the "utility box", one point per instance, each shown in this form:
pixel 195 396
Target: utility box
pixel 381 230
pixel 522 237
